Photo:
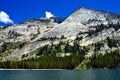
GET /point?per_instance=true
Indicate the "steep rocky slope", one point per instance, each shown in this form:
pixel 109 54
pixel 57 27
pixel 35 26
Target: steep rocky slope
pixel 81 20
pixel 28 30
pixel 84 20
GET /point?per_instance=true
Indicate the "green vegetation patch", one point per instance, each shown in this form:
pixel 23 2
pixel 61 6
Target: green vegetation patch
pixel 8 47
pixel 109 60
pixel 45 62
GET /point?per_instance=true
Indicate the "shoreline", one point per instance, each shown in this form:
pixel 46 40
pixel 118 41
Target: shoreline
pixel 62 69
pixel 33 69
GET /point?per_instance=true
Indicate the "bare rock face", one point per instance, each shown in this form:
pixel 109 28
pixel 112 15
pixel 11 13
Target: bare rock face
pixel 27 30
pixel 81 20
pixel 29 48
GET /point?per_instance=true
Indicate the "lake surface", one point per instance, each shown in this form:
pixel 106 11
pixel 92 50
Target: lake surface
pixel 60 74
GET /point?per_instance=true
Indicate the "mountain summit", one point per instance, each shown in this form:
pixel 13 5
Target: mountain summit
pixel 81 20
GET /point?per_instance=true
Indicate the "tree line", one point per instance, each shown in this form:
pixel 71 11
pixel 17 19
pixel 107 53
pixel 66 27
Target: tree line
pixel 108 60
pixel 48 59
pixel 45 62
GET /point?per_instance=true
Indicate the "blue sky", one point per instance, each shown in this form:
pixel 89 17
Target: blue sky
pixel 18 11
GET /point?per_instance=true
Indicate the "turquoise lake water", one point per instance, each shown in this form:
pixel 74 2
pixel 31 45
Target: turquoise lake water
pixel 60 74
